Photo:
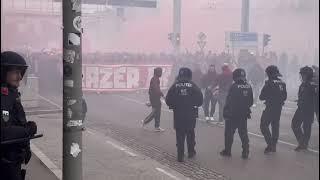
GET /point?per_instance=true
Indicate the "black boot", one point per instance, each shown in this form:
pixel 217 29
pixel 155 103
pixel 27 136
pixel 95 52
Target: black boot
pixel 245 154
pixel 274 148
pixel 268 149
pixel 180 156
pixel 225 153
pixel 192 154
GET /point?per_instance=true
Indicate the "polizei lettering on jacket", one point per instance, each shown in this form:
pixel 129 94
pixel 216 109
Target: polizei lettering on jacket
pixel 183 85
pixel 243 86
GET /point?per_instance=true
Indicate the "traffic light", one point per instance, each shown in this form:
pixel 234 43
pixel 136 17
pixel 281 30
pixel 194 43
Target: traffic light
pixel 266 39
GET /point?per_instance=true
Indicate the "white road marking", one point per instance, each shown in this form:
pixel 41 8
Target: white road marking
pixel 90 132
pixel 130 153
pixel 139 102
pixel 115 145
pixel 251 133
pixel 122 149
pixel 167 173
pixel 48 100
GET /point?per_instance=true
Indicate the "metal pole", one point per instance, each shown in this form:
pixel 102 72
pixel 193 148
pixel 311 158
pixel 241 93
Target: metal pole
pixel 176 23
pixel 72 91
pixel 2 27
pixel 245 16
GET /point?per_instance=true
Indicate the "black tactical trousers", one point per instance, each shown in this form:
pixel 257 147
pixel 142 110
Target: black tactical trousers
pixel 181 135
pixel 11 171
pixel 271 115
pixel 155 114
pixel 305 118
pixel 230 127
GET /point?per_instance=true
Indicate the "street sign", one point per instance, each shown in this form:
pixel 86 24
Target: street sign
pixel 134 3
pixel 202 36
pixel 98 2
pixel 242 39
pixel 243 36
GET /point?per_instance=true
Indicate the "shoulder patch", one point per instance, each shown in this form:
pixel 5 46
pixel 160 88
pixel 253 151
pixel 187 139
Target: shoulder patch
pixel 5 115
pixel 4 91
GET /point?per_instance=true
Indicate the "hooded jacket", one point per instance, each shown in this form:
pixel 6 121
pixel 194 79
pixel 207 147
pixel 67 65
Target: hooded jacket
pixel 155 92
pixel 224 80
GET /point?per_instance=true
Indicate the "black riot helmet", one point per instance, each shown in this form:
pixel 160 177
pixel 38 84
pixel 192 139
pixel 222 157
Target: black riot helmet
pixel 306 73
pixel 185 73
pixel 12 60
pixel 157 72
pixel 273 71
pixel 239 74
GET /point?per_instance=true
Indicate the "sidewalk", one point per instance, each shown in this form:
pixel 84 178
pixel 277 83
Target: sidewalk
pixel 37 170
pixel 103 157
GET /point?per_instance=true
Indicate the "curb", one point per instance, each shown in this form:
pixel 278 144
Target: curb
pixel 46 161
pixel 39 112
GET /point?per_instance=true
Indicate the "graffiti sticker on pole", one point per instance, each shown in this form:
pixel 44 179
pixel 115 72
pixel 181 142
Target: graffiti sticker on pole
pixel 76 5
pixel 75 149
pixel 77 23
pixel 69 113
pixel 69 55
pixel 68 83
pixel 74 39
pixel 71 102
pixel 74 123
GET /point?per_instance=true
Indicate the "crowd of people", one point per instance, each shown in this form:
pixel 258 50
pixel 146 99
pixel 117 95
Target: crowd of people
pixel 42 62
pixel 235 95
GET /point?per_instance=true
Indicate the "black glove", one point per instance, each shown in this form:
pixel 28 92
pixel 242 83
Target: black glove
pixel 23 174
pixel 249 114
pixel 31 128
pixel 27 156
pixel 226 113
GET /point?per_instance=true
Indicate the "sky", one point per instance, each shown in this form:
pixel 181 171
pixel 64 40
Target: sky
pixel 146 29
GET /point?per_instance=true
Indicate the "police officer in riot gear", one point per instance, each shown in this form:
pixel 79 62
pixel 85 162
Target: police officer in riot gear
pixel 315 81
pixel 237 111
pixel 304 115
pixel 184 97
pixel 274 93
pixel 13 120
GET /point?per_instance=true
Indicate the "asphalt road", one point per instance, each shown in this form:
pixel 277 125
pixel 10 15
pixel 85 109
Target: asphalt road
pixel 127 110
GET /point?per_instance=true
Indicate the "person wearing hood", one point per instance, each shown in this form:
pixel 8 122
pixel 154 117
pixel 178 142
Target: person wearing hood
pixel 184 97
pixel 197 75
pixel 256 78
pixel 236 112
pixel 274 93
pixel 155 95
pixel 209 93
pixel 224 82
